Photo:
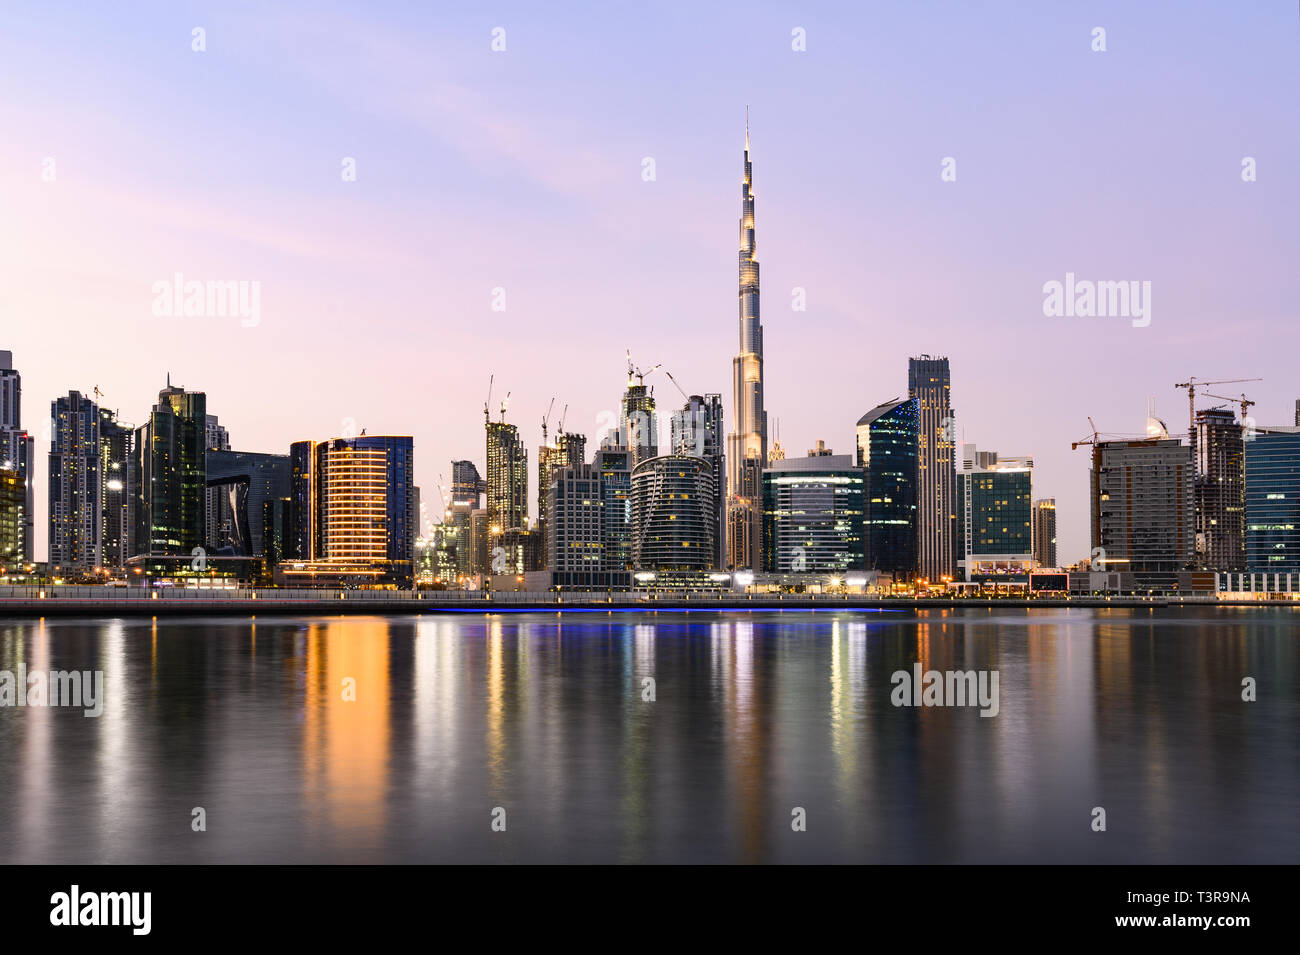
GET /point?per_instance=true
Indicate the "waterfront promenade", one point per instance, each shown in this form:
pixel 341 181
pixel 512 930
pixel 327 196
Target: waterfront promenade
pixel 90 601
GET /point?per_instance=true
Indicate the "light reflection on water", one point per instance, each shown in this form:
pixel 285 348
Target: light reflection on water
pixel 543 716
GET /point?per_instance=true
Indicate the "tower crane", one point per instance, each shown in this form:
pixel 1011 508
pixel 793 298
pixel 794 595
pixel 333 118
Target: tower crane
pixel 1245 402
pixel 634 372
pixel 545 418
pixel 674 381
pixel 1191 385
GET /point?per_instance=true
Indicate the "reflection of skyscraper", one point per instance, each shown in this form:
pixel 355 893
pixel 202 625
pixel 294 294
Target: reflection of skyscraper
pixel 170 496
pixel 929 381
pixel 746 453
pixel 17 452
pixel 887 449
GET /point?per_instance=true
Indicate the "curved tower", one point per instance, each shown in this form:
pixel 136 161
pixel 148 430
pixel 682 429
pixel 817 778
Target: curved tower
pixel 747 442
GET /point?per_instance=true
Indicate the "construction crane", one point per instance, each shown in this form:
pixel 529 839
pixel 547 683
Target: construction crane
pixel 634 372
pixel 545 418
pixel 487 414
pixel 1095 437
pixel 1191 385
pixel 442 497
pixel 1245 402
pixel 679 387
pixel 563 414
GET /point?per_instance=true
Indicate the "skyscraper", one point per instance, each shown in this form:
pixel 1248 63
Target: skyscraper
pixel 673 500
pixel 812 515
pixel 1045 532
pixel 507 478
pixel 746 454
pixel 360 507
pixel 170 495
pixel 995 524
pixel 639 422
pixel 75 486
pixel 697 430
pixel 930 381
pixel 243 483
pixel 1142 509
pixel 887 449
pixel 568 451
pixel 118 474
pixel 1273 501
pixel 466 492
pixel 17 452
pixel 1220 491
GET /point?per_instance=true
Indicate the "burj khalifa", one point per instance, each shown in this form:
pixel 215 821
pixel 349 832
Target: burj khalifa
pixel 747 441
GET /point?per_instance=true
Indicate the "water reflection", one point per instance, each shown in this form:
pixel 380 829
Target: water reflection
pixel 372 739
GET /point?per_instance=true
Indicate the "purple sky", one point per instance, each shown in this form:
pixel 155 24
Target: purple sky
pixel 522 169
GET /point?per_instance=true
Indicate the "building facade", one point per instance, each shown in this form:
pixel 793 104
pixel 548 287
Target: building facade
pixel 1045 532
pixel 1143 517
pixel 697 429
pixel 929 381
pixel 240 484
pixel 17 454
pixel 75 487
pixel 361 509
pixel 888 442
pixel 673 501
pixel 507 478
pixel 813 515
pixel 746 452
pixel 995 521
pixel 169 460
pixel 1273 501
pixel 1220 492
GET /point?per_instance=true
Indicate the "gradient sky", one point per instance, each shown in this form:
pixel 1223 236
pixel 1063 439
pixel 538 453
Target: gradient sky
pixel 522 169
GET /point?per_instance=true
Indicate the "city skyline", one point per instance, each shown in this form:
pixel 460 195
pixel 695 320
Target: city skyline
pixel 913 265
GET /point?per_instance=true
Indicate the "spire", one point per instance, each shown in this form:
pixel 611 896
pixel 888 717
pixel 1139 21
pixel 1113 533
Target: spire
pixel 747 128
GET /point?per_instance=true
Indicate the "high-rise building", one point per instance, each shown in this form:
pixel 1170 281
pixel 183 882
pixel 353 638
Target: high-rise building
pixel 821 451
pixel 995 523
pixel 1220 491
pixel 169 456
pixel 17 453
pixel 613 468
pixel 76 486
pixel 360 505
pixel 467 490
pixel 507 477
pixel 930 382
pixel 568 451
pixel 639 422
pixel 888 442
pixel 215 438
pixel 241 483
pixel 746 454
pixel 13 495
pixel 813 515
pixel 673 501
pixel 479 540
pixel 1045 532
pixel 1143 517
pixel 697 430
pixel 1273 501
pixel 117 471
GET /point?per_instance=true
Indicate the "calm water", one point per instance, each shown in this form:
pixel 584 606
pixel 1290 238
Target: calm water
pixel 1138 712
